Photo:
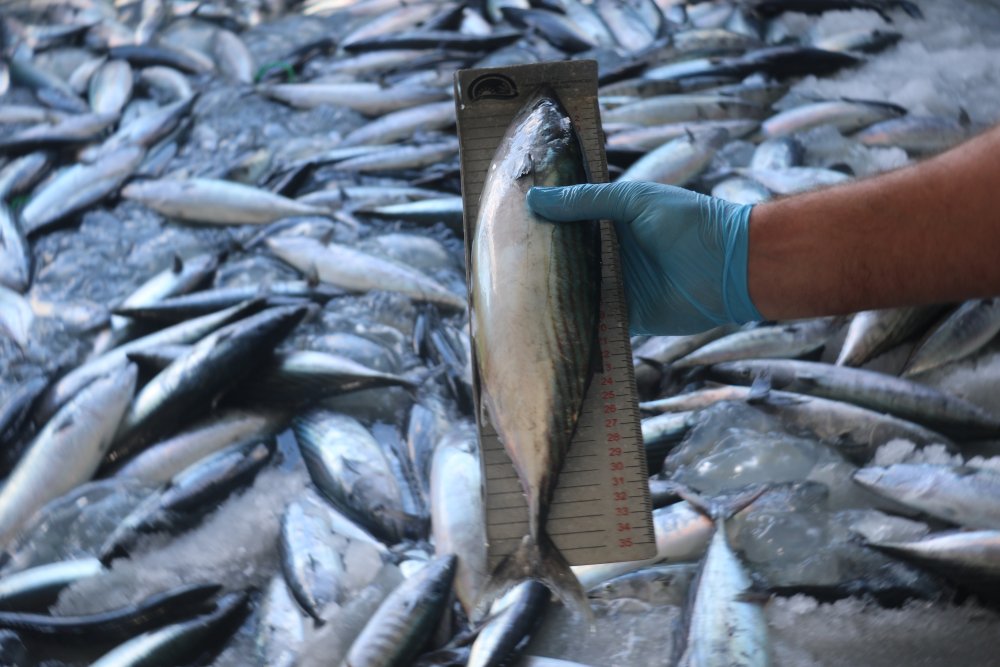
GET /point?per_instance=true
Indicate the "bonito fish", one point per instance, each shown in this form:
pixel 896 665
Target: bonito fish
pixel 535 299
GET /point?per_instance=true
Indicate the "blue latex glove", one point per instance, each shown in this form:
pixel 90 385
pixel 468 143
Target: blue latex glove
pixel 684 255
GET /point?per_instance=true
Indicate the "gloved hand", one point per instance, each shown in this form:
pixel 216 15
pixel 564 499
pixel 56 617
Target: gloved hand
pixel 684 255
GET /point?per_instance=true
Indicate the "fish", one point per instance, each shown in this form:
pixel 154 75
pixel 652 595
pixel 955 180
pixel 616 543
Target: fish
pixel 351 269
pixel 957 494
pixel 111 87
pixel 725 625
pixel 116 624
pixel 964 332
pixel 919 134
pixel 64 132
pixel 77 437
pixel 79 187
pixel 855 431
pixel 186 332
pixel 213 201
pixel 280 630
pixel 877 391
pixel 788 340
pixel 214 364
pixel 190 495
pixel 400 626
pixel 533 349
pixel 677 161
pixel 847 115
pixel 160 462
pixel 15 260
pixel 37 588
pixel 368 98
pixel 872 332
pixel 232 57
pixel 969 555
pixel 16 317
pixel 310 560
pixel 402 124
pixel 512 620
pixel 352 471
pixel 457 511
pixel 657 584
pixel 186 640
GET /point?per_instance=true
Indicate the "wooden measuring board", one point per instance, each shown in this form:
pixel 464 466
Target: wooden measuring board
pixel 601 511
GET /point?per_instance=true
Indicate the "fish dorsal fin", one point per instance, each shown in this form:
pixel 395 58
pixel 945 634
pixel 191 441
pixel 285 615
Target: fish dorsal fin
pixel 178 265
pixel 760 390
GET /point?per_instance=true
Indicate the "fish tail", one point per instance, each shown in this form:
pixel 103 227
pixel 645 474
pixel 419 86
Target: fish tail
pixel 541 561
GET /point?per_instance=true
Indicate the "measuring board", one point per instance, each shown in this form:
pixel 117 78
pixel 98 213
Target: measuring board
pixel 601 511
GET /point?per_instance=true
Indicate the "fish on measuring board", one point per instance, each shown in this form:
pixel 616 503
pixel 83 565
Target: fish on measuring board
pixel 533 348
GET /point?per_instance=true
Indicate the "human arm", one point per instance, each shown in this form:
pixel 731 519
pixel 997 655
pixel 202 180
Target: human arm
pixel 926 233
pixel 922 234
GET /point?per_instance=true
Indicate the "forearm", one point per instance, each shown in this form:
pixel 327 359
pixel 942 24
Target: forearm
pixel 923 234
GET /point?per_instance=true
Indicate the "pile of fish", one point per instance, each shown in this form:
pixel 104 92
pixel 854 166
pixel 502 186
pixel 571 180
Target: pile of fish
pixel 236 390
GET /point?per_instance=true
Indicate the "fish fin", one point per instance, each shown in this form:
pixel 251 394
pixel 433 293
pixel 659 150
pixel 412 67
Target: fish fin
pixel 911 9
pixel 690 134
pixel 527 167
pixel 178 266
pixel 760 390
pixel 963 117
pixel 721 507
pixel 754 595
pixel 540 561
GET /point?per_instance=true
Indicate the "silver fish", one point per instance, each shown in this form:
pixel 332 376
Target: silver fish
pixel 876 391
pixel 725 630
pixel 16 316
pixel 400 626
pixel 214 201
pixel 183 333
pixel 970 554
pixel 679 160
pixel 15 260
pixel 68 451
pixel 846 115
pixel 111 87
pixel 182 641
pixel 457 511
pixel 354 270
pixel 965 496
pixel 310 560
pixel 78 187
pixel 160 462
pixel 402 124
pixel 965 331
pixel 232 57
pixel 533 349
pixel 370 99
pixel 787 340
pixel 214 364
pixel 872 332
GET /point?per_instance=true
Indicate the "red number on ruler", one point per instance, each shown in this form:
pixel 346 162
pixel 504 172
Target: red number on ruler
pixel 614 451
pixel 625 542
